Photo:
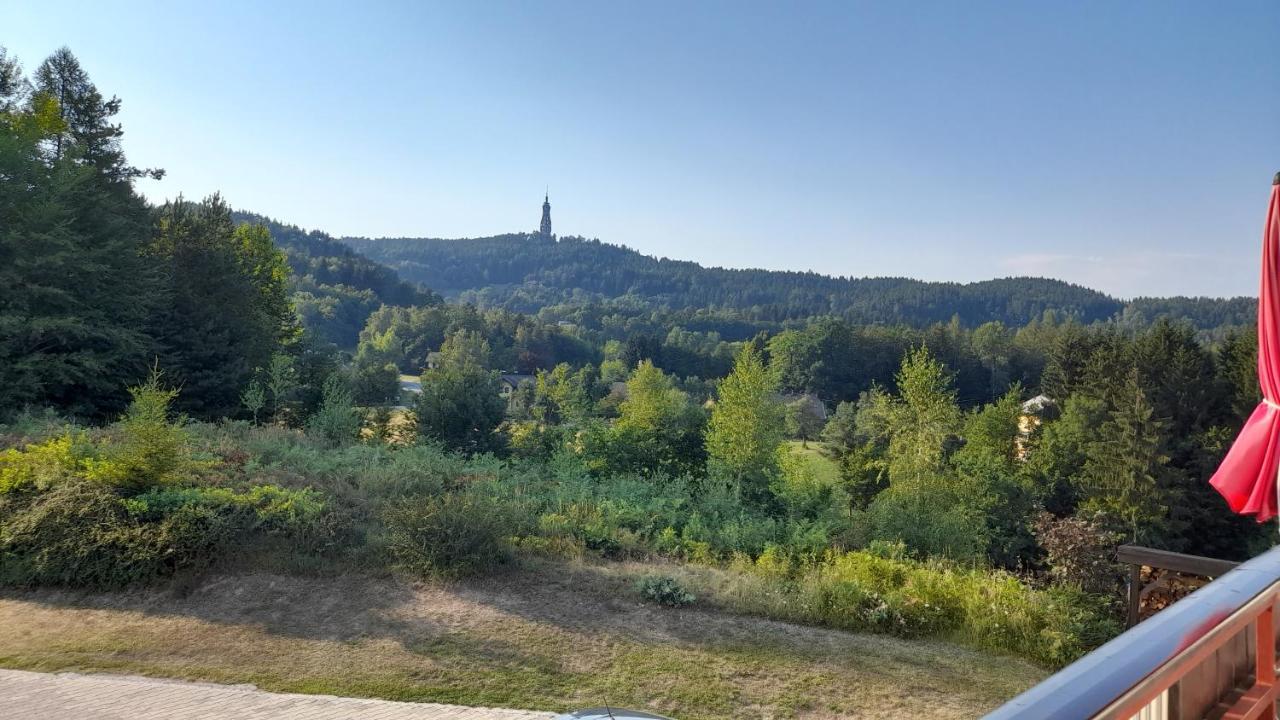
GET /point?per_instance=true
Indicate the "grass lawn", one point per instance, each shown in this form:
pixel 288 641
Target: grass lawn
pixel 554 637
pixel 824 468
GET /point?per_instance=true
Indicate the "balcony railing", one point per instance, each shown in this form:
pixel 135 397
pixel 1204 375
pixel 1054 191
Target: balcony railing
pixel 1210 655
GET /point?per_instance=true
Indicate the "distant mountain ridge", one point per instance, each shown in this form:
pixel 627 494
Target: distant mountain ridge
pixel 526 272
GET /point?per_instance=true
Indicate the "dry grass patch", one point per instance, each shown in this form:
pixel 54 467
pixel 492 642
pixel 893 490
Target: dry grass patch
pixel 550 638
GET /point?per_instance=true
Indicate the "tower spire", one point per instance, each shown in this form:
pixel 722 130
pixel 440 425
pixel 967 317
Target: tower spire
pixel 545 229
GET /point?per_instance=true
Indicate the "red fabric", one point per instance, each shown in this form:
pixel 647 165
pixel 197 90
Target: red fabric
pixel 1247 476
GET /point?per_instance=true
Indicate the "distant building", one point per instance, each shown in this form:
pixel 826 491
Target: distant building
pixel 433 360
pixel 545 229
pixel 1034 412
pixel 510 382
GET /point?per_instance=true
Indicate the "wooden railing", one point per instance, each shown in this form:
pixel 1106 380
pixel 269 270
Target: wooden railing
pixel 1210 655
pixel 1138 557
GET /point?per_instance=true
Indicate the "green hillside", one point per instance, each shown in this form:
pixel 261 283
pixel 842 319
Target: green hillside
pixel 526 273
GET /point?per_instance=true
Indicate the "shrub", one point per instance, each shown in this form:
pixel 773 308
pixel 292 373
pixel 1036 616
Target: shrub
pixel 336 423
pixel 146 448
pixel 267 507
pixel 448 535
pixel 1080 552
pixel 988 609
pixel 664 590
pixel 42 465
pixel 80 534
pixel 936 518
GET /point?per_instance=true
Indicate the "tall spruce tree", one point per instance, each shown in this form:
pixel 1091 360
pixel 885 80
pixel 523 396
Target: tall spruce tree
pixel 225 311
pixel 75 289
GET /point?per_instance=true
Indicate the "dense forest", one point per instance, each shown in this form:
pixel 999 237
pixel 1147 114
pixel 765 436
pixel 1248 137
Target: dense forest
pixel 335 289
pixel 526 273
pixel 184 388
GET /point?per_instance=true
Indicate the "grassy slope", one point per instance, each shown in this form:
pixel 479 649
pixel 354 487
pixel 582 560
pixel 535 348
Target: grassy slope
pixel 543 638
pixel 825 469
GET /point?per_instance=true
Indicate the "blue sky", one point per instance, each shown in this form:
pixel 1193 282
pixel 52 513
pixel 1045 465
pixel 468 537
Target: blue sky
pixel 1125 146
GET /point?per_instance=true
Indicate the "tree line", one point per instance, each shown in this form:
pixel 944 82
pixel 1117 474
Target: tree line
pixel 527 273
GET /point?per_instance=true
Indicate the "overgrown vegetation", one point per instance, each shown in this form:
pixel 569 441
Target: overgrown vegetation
pixel 973 482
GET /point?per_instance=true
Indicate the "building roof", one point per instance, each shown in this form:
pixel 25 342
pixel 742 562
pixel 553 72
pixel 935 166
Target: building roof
pixel 1037 405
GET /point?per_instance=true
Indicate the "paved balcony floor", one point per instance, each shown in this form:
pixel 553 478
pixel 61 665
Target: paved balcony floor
pixel 45 696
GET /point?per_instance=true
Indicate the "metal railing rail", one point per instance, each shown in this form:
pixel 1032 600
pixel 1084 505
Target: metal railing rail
pixel 1128 674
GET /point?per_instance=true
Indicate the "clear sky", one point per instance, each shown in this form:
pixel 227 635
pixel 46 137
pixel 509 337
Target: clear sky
pixel 1126 146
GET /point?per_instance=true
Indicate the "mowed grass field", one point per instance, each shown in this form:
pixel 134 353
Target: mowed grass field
pixel 542 638
pixel 824 468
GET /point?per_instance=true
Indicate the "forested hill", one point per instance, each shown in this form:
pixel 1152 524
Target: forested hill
pixel 527 272
pixel 335 288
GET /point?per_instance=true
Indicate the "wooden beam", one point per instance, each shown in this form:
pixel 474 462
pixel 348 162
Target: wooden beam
pixel 1178 562
pixel 1135 594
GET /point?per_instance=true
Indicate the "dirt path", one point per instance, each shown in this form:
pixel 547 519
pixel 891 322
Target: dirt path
pixel 545 641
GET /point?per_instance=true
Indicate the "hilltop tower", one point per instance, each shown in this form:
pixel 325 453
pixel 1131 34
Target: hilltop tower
pixel 545 229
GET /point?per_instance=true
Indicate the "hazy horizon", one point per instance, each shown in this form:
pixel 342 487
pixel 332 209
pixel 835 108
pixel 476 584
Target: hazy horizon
pixel 1126 149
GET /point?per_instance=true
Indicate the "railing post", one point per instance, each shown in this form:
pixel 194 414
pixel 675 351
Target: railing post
pixel 1259 701
pixel 1135 593
pixel 1265 655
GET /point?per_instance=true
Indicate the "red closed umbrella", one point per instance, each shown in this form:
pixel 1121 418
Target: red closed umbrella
pixel 1247 476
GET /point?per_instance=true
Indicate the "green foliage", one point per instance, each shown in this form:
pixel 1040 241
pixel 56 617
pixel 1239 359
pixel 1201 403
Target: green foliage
pixel 942 516
pixel 78 291
pixel 334 288
pixel 563 396
pixel 148 449
pixel 881 592
pixel 1123 468
pixel 746 427
pixel 921 421
pixel 254 398
pixel 336 422
pixel 658 431
pixel 281 379
pixel 80 534
pixel 460 405
pixel 522 273
pixel 40 466
pixel 448 535
pixel 664 590
pixel 804 418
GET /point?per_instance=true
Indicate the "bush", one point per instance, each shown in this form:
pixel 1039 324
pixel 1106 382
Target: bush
pixel 146 449
pixel 80 534
pixel 664 590
pixel 266 507
pixel 43 465
pixel 988 609
pixel 448 535
pixel 1080 552
pixel 336 423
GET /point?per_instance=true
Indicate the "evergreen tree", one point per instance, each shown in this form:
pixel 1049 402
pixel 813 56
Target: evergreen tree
pixel 336 422
pixel 224 314
pixel 1123 468
pixel 13 86
pixel 75 289
pixel 87 134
